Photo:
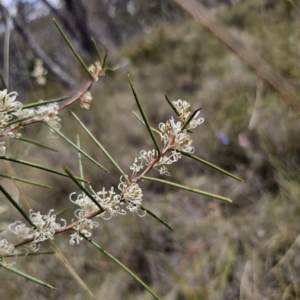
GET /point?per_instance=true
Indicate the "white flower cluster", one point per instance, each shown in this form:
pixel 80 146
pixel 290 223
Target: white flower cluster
pixel 45 228
pixel 49 114
pixel 96 70
pixel 111 204
pixel 86 100
pixel 108 200
pixel 7 248
pixel 10 108
pixel 133 196
pixel 172 133
pixel 39 72
pixel 173 137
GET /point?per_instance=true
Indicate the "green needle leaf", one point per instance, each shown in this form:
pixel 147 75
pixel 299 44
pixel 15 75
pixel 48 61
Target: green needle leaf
pixel 211 165
pixel 183 187
pixel 26 181
pixel 11 269
pixel 16 205
pixel 144 117
pixel 104 60
pixel 97 50
pixel 37 144
pixel 156 217
pixel 190 118
pixel 83 189
pixel 21 120
pixel 80 160
pixel 171 104
pixel 116 68
pixel 61 212
pixel 73 49
pixel 100 146
pixel 78 149
pixel 19 161
pixel 30 254
pixel 139 118
pixel 3 82
pixel 120 264
pixel 30 105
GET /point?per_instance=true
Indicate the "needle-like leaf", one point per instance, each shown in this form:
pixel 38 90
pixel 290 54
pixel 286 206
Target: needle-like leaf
pixel 61 212
pixel 31 278
pixel 157 218
pixel 37 144
pixel 3 82
pixel 211 165
pixel 104 60
pixel 76 147
pixel 97 50
pixel 21 120
pixel 73 49
pixel 190 118
pixel 120 264
pixel 171 104
pixel 83 189
pixel 80 160
pixel 144 117
pixel 26 181
pixel 30 105
pixel 23 162
pixel 100 146
pixel 183 187
pixel 31 254
pixel 16 205
pixel 139 118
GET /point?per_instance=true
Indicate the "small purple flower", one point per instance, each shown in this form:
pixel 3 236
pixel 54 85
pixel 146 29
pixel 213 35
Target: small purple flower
pixel 224 139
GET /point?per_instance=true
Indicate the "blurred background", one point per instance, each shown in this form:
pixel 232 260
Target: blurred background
pixel 245 250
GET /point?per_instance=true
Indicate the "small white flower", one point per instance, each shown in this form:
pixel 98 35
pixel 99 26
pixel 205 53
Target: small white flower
pixel 39 72
pixel 110 202
pixel 133 196
pixel 4 119
pixel 168 159
pixel 6 248
pixel 149 156
pixel 183 142
pixel 86 100
pixel 82 228
pixel 8 103
pixel 96 70
pixel 164 171
pixel 23 232
pixel 24 113
pixel 87 206
pixel 48 113
pixel 136 167
pixel 184 110
pixel 46 225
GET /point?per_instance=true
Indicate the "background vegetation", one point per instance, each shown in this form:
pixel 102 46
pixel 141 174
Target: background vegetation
pixel 247 250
